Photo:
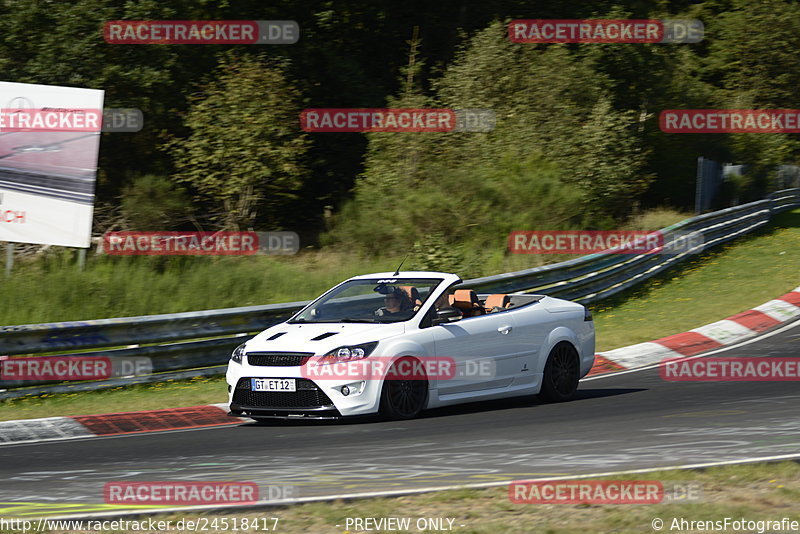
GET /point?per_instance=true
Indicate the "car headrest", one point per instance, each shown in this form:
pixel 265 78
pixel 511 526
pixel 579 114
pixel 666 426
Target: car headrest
pixel 498 300
pixel 466 299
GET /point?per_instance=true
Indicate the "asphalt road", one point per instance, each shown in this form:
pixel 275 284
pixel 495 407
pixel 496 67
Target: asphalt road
pixel 622 421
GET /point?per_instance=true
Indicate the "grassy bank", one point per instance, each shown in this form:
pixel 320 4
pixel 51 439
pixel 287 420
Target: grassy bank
pixel 726 280
pixel 50 287
pixel 53 289
pixel 754 492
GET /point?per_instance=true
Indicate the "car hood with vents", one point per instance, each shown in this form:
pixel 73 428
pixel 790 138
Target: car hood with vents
pixel 320 338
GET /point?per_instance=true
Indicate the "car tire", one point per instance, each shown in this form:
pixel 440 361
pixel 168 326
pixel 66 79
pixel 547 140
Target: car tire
pixel 403 398
pixel 560 379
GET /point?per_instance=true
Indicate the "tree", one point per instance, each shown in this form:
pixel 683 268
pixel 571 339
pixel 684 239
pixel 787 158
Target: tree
pixel 553 111
pixel 753 64
pixel 244 155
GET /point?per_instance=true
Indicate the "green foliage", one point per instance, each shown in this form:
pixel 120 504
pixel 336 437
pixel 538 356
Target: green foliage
pixel 473 207
pixel 590 111
pixel 752 48
pixel 727 279
pixel 608 162
pixel 433 253
pixel 51 288
pixel 154 203
pixel 752 61
pixel 245 152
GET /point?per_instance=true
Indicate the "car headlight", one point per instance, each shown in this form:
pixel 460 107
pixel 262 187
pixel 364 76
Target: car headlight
pixel 238 353
pixel 348 354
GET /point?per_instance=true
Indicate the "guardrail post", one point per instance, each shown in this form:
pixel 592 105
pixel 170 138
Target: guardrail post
pixel 771 198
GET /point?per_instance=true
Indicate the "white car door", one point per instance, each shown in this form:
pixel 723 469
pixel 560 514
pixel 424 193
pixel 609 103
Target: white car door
pixel 486 350
pixel 531 327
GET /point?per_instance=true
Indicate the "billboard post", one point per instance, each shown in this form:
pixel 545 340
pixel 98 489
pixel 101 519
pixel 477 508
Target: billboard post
pixel 9 257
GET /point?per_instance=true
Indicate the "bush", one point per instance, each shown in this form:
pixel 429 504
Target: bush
pixel 472 206
pixel 154 203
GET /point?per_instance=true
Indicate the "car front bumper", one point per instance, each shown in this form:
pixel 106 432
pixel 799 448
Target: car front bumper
pixel 316 398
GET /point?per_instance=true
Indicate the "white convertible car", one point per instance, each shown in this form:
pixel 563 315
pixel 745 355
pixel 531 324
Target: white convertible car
pixel 398 343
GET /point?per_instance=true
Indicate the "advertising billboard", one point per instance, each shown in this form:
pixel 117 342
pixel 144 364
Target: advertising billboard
pixel 49 145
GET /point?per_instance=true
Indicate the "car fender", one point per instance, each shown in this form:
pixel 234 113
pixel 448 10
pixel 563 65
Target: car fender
pixel 557 335
pixel 394 349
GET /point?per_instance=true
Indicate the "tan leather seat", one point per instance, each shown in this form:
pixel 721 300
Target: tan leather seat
pixel 467 301
pixel 497 302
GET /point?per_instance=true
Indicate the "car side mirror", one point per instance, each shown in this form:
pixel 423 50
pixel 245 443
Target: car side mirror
pixel 446 315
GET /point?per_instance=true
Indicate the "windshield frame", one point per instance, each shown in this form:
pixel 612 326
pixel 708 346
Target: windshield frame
pixel 374 281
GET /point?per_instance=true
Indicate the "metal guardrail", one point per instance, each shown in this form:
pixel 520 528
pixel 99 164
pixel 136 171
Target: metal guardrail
pixel 182 345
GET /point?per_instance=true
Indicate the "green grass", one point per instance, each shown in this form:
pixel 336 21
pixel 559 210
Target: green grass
pixel 729 279
pixel 50 287
pixel 735 277
pixel 764 491
pixel 767 491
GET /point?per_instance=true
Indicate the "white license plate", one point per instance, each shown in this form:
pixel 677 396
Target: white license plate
pixel 273 384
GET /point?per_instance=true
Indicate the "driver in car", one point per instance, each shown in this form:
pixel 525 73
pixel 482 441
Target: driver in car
pixel 395 304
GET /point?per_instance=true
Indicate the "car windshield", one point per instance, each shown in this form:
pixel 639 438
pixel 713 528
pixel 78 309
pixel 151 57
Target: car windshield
pixel 374 300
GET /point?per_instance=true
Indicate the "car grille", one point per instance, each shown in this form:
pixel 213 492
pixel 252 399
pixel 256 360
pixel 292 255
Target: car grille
pixel 308 395
pixel 278 359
